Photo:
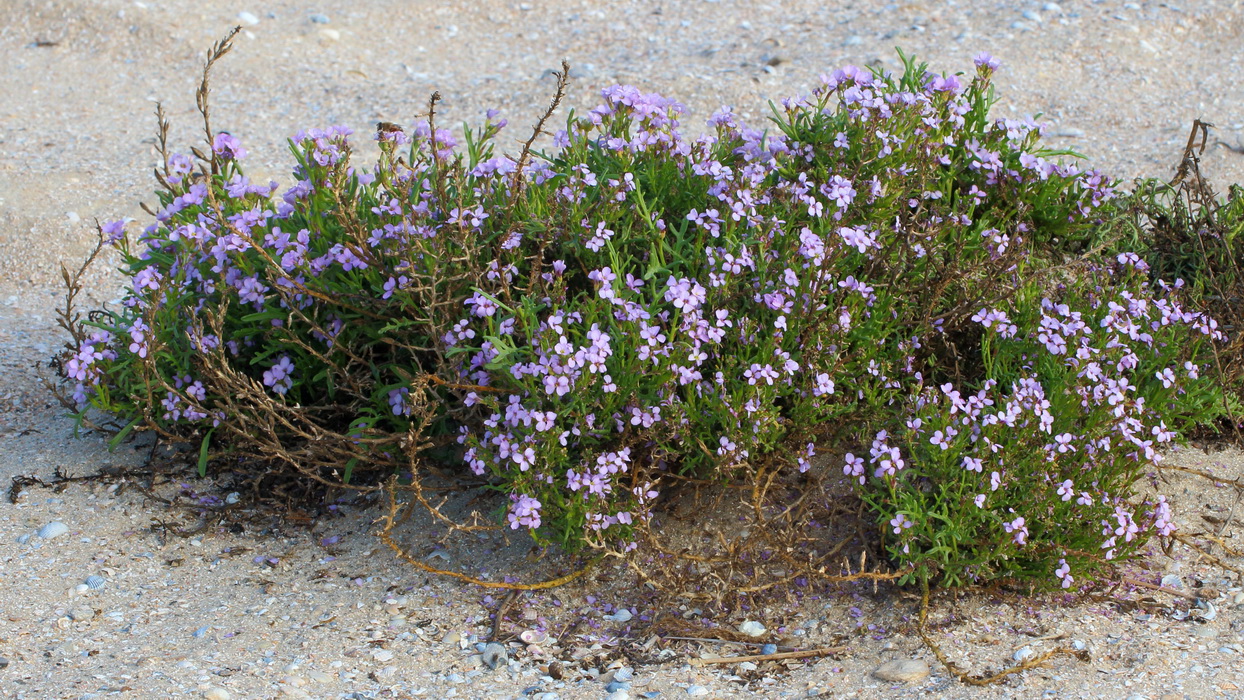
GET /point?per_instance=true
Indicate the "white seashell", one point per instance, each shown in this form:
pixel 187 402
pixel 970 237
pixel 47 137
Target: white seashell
pixel 52 529
pixel 1172 581
pixel 622 615
pixel 94 582
pixel 23 539
pixel 752 628
pixel 1023 654
pixel 533 637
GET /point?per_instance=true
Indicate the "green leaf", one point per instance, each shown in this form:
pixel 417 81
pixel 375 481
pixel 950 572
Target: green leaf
pixel 207 440
pixel 119 437
pixel 345 478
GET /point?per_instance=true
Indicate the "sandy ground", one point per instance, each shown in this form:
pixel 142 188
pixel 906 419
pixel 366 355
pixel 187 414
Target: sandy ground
pixel 267 609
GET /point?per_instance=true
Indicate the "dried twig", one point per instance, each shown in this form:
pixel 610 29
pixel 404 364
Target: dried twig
pixel 805 654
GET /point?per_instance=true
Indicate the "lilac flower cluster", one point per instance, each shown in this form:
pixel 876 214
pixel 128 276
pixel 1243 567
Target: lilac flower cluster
pixel 643 304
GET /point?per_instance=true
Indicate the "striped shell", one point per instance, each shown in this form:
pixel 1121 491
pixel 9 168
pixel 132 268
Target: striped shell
pixel 53 529
pixel 95 582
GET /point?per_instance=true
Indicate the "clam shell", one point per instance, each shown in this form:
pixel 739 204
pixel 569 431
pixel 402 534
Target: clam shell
pixel 95 582
pixel 52 529
pixel 23 539
pixel 533 637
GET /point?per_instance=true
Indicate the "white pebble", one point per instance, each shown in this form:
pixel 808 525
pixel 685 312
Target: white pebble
pixel 697 690
pixel 216 694
pixel 248 18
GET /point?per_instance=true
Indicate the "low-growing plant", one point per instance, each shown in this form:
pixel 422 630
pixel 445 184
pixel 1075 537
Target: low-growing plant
pixel 587 327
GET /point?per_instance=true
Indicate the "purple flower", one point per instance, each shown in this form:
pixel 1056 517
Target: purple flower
pixel 278 377
pixel 1063 573
pixel 985 61
pixel 228 146
pixel 900 523
pixel 1018 529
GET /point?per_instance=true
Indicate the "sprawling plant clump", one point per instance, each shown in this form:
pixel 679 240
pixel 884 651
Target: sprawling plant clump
pixel 585 328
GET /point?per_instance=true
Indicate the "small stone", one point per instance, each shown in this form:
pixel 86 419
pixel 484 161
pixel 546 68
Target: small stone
pixel 452 638
pixel 752 628
pixel 199 633
pixel 1053 8
pixel 903 671
pixel 216 694
pixel 332 34
pixel 1069 133
pixel 81 614
pixel 317 18
pixel 618 695
pixel 1078 645
pixel 854 40
pixel 696 691
pixel 1032 16
pixel 248 18
pixel 4 663
pixel 1238 598
pixel 319 677
pixel 615 686
pixel 1019 26
pixel 768 649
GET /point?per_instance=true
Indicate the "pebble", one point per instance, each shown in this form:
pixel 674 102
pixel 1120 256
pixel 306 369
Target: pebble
pixel 903 670
pixel 696 691
pixel 1069 133
pixel 216 694
pixel 330 34
pixel 4 663
pixel 199 633
pixel 248 18
pixel 615 686
pixel 1078 645
pixel 1032 16
pixel 1052 7
pixel 618 695
pixel 319 677
pixel 1238 598
pixel 768 649
pixel 81 613
pixel 317 18
pixel 752 628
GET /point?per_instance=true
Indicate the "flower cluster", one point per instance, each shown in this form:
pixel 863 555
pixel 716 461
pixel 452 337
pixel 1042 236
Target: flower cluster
pixel 643 304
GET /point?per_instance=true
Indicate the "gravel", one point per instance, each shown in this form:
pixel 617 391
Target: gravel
pixel 286 615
